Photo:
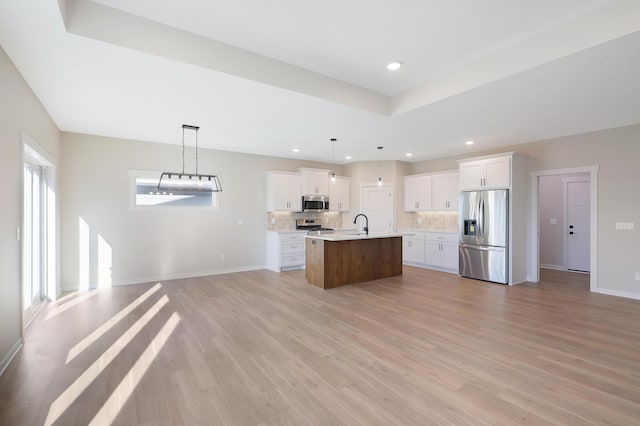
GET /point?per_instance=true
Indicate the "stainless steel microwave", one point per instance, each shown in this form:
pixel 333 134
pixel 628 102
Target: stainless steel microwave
pixel 315 203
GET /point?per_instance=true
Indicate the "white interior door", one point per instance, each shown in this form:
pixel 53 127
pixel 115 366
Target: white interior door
pixel 578 226
pixel 377 204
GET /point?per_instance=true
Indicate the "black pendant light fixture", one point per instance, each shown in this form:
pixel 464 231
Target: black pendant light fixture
pixel 380 165
pixel 333 159
pixel 174 181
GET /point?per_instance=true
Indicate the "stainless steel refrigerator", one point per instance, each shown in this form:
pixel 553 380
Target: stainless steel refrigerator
pixel 484 239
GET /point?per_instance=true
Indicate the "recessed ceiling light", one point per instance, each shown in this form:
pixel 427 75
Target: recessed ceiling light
pixel 409 154
pixel 469 142
pixel 348 157
pixel 296 150
pixel 393 66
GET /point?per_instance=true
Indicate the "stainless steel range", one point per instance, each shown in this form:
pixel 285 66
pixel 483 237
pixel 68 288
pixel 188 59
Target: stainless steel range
pixel 312 225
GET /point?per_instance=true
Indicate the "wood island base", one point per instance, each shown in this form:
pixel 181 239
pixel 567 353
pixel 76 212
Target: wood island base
pixel 331 264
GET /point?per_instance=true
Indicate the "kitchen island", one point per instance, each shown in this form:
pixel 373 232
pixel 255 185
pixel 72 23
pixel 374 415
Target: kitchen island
pixel 334 260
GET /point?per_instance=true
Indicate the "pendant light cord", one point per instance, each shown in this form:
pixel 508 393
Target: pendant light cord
pixel 196 151
pixel 182 149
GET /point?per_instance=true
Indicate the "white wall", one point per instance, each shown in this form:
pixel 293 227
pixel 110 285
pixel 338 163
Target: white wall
pixel 616 152
pixel 20 111
pixel 156 244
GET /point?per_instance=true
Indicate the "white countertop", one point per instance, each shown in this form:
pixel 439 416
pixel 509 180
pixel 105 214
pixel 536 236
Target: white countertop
pixel 346 236
pixel 304 231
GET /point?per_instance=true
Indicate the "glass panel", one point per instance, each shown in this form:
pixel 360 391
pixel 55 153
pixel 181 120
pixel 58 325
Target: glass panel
pixel 26 238
pixel 36 252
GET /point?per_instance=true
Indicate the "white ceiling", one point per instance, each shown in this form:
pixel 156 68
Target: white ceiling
pixel 265 77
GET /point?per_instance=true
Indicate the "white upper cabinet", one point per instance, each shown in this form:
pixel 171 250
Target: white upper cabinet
pixel 486 173
pixel 339 194
pixel 417 193
pixel 315 181
pixel 283 192
pixel 433 191
pixel 446 189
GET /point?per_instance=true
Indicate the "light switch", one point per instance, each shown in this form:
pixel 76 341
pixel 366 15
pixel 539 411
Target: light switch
pixel 625 226
pixel 553 221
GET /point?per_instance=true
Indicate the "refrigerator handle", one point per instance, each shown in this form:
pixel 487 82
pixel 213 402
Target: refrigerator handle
pixel 481 219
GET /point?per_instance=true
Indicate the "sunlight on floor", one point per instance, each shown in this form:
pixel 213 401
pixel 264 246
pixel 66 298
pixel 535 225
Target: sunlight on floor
pixel 112 407
pixel 105 263
pixel 62 307
pixel 64 401
pixel 97 333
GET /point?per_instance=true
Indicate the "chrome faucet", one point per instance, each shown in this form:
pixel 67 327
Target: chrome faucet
pixel 366 223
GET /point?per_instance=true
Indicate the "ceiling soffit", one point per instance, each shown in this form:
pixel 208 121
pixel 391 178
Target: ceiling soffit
pixel 89 19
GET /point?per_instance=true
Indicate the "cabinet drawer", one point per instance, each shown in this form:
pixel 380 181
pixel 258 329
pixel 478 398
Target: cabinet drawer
pixel 292 247
pixel 442 237
pixel 298 236
pixel 292 259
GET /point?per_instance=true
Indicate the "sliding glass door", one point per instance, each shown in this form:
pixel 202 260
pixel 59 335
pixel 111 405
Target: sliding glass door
pixel 34 240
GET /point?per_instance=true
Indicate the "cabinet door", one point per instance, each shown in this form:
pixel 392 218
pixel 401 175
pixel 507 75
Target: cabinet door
pixel 455 191
pixel 445 191
pixel 449 255
pixel 471 175
pixel 412 250
pixel 417 193
pixel 498 172
pixel 283 192
pixel 315 183
pixel 432 255
pixel 294 198
pixel 339 194
pixel 278 192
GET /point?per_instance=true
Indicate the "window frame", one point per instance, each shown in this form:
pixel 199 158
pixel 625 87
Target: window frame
pixel 134 174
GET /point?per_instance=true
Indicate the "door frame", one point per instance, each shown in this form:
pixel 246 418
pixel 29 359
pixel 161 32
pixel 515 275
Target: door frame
pixel 565 213
pixel 533 274
pixel 31 151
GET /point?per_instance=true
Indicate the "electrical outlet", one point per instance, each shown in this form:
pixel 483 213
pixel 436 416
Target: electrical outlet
pixel 637 276
pixel 273 220
pixel 625 226
pixel 222 257
pixel 240 221
pixel 18 233
pixel 419 221
pixel 553 221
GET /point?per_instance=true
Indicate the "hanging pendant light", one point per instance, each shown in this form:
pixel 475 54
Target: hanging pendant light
pixel 333 159
pixel 175 181
pixel 380 165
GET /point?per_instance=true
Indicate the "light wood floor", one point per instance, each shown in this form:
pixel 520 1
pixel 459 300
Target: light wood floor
pixel 262 348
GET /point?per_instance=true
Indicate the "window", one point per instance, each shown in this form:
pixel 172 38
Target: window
pixel 145 193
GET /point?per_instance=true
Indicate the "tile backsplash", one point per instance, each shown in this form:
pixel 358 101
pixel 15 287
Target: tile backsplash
pixel 286 221
pixel 435 221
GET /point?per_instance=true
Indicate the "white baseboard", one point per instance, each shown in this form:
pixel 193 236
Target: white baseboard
pixel 142 280
pixel 554 267
pixel 9 357
pixel 619 293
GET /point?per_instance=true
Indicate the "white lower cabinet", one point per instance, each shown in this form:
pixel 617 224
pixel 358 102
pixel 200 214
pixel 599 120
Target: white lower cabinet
pixel 413 247
pixel 441 250
pixel 285 250
pixel 433 250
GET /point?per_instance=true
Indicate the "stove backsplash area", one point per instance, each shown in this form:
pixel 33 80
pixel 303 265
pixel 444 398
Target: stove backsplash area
pixel 286 221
